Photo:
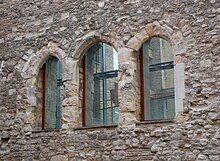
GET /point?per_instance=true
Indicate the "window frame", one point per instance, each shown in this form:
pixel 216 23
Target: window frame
pixel 44 95
pixel 112 73
pixel 142 81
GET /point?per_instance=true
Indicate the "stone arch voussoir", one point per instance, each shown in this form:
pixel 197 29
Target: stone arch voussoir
pixel 35 62
pixel 93 37
pixel 159 29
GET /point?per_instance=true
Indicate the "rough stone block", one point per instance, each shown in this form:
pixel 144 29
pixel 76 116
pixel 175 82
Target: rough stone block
pixel 134 43
pixel 59 158
pixel 154 29
pixel 124 55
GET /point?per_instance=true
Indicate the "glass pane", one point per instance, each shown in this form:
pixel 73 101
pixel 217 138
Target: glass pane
pixel 160 51
pixel 162 79
pixel 98 101
pixel 90 70
pixel 162 107
pixel 112 99
pixel 51 93
pixel 111 57
pixel 146 74
pixel 103 57
pixel 157 111
pixel 170 107
pixel 116 114
pixel 96 57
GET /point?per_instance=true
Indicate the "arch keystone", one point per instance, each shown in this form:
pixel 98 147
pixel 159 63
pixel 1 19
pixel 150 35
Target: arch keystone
pixel 154 29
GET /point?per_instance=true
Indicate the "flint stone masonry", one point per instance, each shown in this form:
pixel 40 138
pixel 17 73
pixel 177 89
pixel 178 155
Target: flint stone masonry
pixel 32 31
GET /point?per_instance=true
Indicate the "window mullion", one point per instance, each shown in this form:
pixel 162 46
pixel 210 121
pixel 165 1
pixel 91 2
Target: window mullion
pixel 58 96
pixel 104 85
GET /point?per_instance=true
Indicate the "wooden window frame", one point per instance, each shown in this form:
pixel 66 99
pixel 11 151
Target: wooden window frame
pixel 142 83
pixel 44 96
pixel 84 93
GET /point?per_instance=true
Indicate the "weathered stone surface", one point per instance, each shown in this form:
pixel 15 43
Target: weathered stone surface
pixel 124 55
pixel 134 43
pixel 153 29
pixel 214 157
pixel 201 158
pixel 32 31
pixel 59 158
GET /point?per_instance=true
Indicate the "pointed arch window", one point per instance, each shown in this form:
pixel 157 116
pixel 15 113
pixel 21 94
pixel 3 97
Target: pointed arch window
pixel 100 86
pixel 49 81
pixel 157 80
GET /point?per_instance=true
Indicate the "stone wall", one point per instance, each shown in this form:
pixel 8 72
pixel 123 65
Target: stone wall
pixel 31 31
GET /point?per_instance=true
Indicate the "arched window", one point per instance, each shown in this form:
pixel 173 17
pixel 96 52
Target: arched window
pixel 157 80
pixel 48 95
pixel 100 86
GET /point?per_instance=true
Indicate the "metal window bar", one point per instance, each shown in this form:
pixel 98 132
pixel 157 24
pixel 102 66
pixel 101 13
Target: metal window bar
pixel 161 66
pixel 108 74
pixel 59 83
pixel 104 84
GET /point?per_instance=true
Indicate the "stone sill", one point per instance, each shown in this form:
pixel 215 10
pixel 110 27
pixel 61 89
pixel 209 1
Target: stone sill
pixel 155 121
pixel 96 127
pixel 47 130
